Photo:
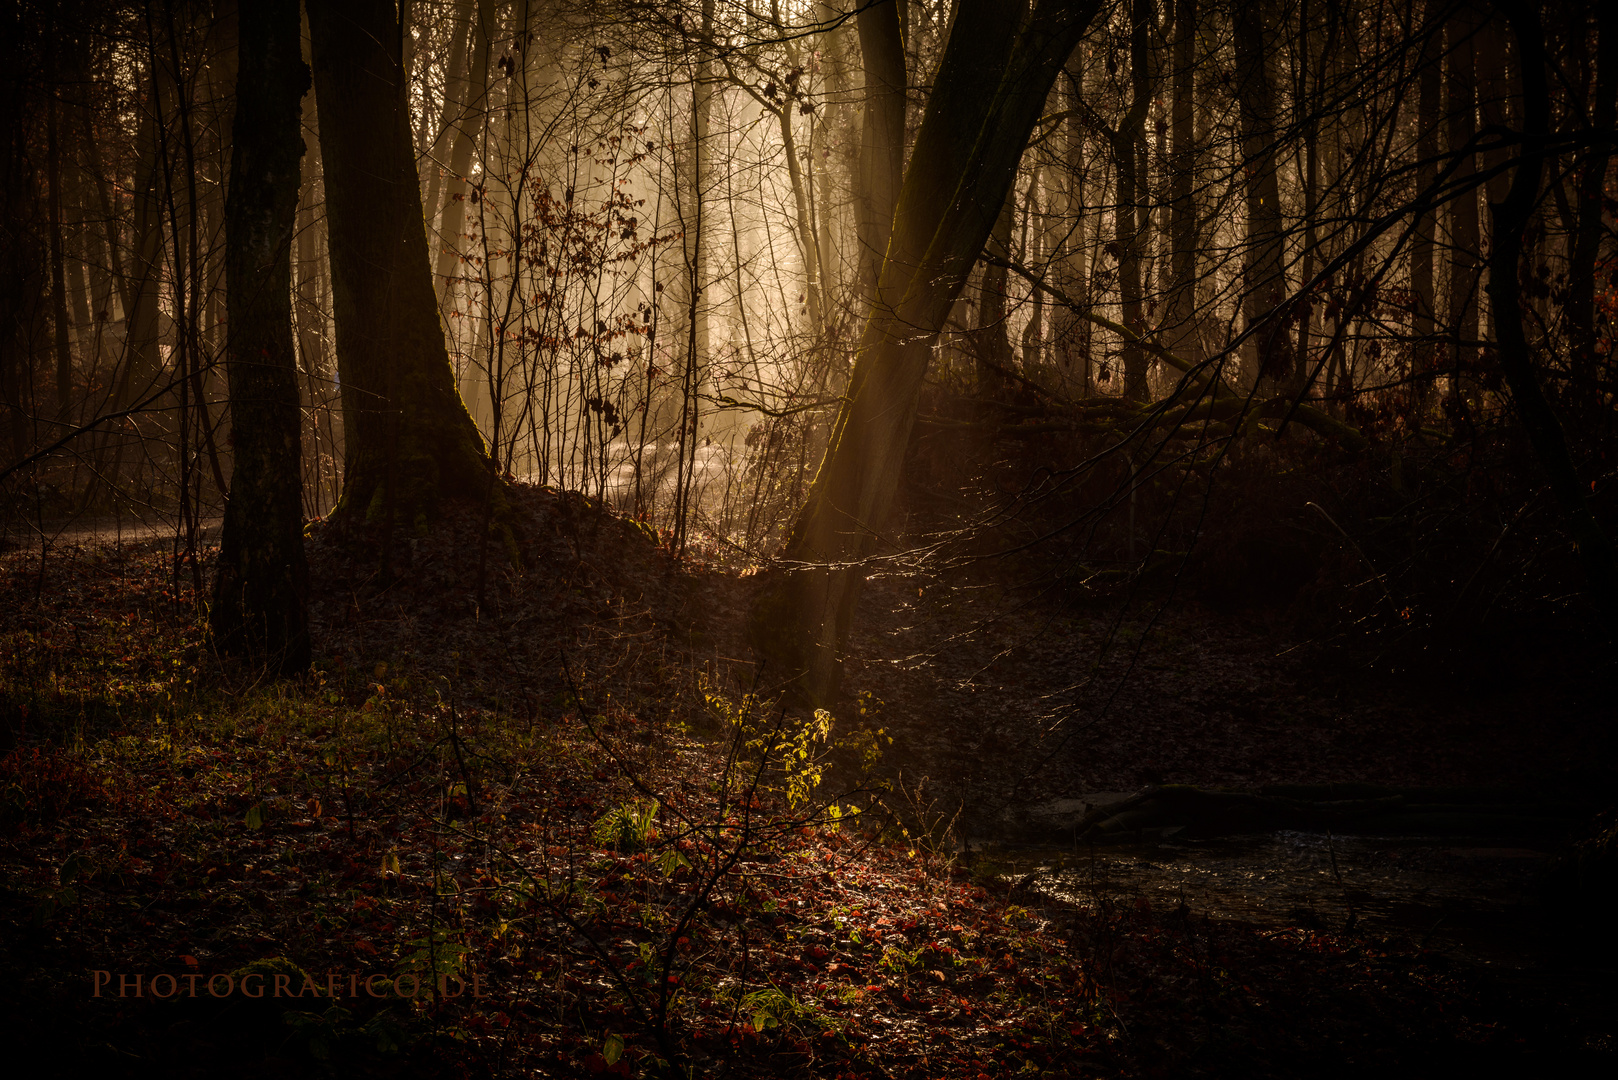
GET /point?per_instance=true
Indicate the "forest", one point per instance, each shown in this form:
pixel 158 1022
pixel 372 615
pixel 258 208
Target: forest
pixel 824 538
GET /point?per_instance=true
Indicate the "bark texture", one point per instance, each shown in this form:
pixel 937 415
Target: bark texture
pixel 260 601
pixel 1264 276
pixel 409 439
pixel 882 136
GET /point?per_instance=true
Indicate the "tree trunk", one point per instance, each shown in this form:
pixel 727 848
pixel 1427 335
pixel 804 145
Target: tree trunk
pixel 1071 333
pixel 64 352
pixel 462 42
pixel 992 84
pixel 1264 277
pixel 409 440
pixel 1308 106
pixel 309 323
pixel 1510 217
pixel 882 142
pixel 808 241
pixel 1493 87
pixel 1129 219
pixel 260 600
pixel 1423 354
pixel 1182 299
pixel 1581 309
pixel 20 270
pixel 1041 248
pixel 993 342
pixel 695 172
pixel 140 362
pixel 460 158
pixel 1465 262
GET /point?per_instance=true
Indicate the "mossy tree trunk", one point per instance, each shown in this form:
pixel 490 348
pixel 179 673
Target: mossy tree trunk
pixel 992 84
pixel 260 602
pixel 410 441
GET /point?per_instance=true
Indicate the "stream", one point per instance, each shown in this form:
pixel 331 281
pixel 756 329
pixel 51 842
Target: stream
pixel 1477 904
pixel 1471 899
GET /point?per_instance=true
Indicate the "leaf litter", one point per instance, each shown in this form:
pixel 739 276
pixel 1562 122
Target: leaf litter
pixel 625 865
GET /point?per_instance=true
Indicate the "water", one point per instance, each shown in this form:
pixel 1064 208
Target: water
pixel 1470 899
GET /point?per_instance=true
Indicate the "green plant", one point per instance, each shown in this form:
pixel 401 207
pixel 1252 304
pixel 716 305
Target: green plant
pixel 627 828
pixel 793 752
pixel 771 1007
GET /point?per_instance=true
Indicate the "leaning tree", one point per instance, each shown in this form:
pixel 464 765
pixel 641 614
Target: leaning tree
pixel 992 83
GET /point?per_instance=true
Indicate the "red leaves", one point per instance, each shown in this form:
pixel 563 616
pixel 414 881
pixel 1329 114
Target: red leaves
pixel 39 786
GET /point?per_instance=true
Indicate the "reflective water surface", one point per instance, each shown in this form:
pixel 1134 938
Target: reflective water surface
pixel 1471 899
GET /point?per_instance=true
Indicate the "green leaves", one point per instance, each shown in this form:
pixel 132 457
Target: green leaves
pixel 771 1007
pixel 626 828
pixel 436 958
pixel 672 862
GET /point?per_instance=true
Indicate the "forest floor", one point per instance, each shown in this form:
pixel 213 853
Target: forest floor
pixel 545 786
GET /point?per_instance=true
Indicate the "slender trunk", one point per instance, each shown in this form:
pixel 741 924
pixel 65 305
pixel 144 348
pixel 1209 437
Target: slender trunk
pixel 1465 262
pixel 1511 217
pixel 76 260
pixel 1312 66
pixel 20 272
pixel 1182 298
pixel 808 243
pixel 1263 274
pixel 1592 179
pixel 1129 217
pixel 1072 334
pixel 1493 88
pixel 695 252
pixel 309 318
pixel 457 93
pixel 456 189
pixel 993 342
pixel 1041 244
pixel 64 352
pixel 1423 355
pixel 110 228
pixel 140 366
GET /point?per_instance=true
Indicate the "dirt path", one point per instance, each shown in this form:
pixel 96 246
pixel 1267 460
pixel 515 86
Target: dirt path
pixel 20 536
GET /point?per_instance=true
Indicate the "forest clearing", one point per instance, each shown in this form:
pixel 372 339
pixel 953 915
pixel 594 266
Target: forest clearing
pixel 921 538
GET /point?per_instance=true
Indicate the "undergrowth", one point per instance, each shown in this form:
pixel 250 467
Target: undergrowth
pixel 445 889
